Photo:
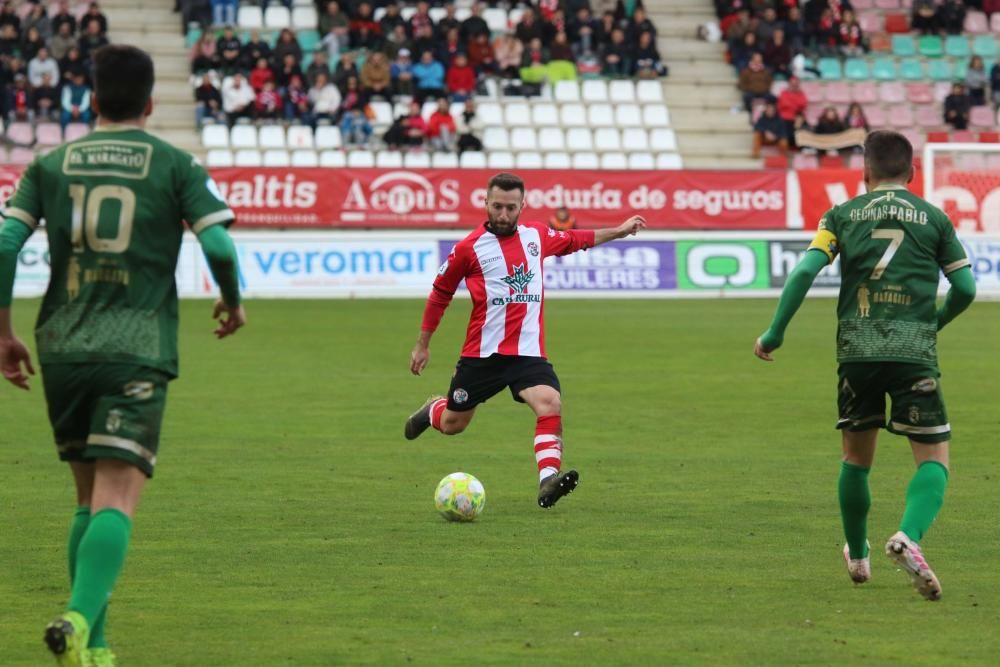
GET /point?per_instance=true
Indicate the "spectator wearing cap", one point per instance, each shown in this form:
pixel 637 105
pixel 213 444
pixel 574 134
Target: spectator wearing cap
pixel 441 127
pixel 237 98
pixel 755 81
pixel 402 73
pixel 42 64
pixel 254 49
pixel 229 49
pixel 208 100
pixel 376 79
pixel 769 130
pixel 76 100
pixel 461 79
pixel 428 75
pixel 46 99
pixel 792 102
pixel 20 101
pixel 324 98
pixel 62 41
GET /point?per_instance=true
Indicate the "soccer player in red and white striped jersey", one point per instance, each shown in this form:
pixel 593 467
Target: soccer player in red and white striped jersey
pixel 501 263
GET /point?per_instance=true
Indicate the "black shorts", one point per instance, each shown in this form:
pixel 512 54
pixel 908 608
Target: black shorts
pixel 477 380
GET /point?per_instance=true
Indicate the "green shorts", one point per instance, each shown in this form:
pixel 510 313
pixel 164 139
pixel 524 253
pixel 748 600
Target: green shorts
pixel 101 411
pixel 917 403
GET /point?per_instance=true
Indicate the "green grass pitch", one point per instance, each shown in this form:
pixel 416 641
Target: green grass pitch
pixel 291 524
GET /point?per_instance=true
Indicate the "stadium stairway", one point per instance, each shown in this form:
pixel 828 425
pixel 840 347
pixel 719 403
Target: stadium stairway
pixel 701 89
pixel 152 25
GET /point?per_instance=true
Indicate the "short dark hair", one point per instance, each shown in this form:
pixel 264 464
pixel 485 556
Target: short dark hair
pixel 123 81
pixel 505 182
pixel 888 155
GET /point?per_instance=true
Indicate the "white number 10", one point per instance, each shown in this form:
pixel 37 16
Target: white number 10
pixel 87 214
pixel 895 237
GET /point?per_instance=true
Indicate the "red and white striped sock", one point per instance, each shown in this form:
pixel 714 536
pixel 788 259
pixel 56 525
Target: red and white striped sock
pixel 548 446
pixel 437 409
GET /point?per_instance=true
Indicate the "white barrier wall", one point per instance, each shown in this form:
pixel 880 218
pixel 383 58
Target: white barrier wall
pixel 404 264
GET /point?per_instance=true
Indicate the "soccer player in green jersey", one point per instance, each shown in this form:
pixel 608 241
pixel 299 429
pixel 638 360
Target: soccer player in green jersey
pixel 893 246
pixel 106 335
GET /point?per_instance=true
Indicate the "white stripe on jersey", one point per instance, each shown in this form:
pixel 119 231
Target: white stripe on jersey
pixel 487 249
pixel 529 343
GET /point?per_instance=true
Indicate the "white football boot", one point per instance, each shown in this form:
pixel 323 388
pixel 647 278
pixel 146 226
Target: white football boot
pixel 858 569
pixel 906 554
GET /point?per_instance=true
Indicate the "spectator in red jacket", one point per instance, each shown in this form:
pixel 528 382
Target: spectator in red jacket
pixel 481 55
pixel 260 75
pixel 461 79
pixel 441 127
pixel 792 102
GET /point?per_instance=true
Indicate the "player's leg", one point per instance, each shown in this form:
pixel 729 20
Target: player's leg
pixel 474 382
pixel 918 412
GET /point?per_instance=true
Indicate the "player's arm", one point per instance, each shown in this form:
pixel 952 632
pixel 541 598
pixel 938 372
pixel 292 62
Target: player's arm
pixel 451 273
pixel 955 265
pixel 570 241
pixel 630 227
pixel 821 252
pixel 220 253
pixel 15 359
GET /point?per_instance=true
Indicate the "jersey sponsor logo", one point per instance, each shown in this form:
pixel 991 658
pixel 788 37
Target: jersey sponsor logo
pixel 533 249
pixel 914 414
pixel 925 386
pixel 460 396
pixel 139 390
pixel 520 279
pixel 489 260
pixel 114 421
pixel 124 159
pixel 864 304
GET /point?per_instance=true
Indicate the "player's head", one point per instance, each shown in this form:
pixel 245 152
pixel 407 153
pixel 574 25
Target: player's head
pixel 504 201
pixel 888 158
pixel 123 83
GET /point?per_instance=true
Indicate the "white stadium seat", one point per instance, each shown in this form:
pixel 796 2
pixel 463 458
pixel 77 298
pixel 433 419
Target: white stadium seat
pixel 328 136
pixel 305 157
pixel 243 136
pixel 500 160
pixel 247 157
pixel 573 115
pixel 600 115
pixel 407 13
pixel 551 139
pixel 496 139
pixel 644 161
pixel 496 19
pixel 663 140
pixel 586 161
pixel 360 159
pixel 332 158
pixel 304 18
pixel 462 13
pixel 621 91
pixel 580 139
pixel 250 17
pixel 277 18
pixel 430 106
pixel 490 113
pixel 299 136
pixel 437 13
pixel 635 139
pixel 544 115
pixel 272 136
pixel 417 160
pixel 614 161
pixel 558 161
pixel 649 91
pixel 444 161
pixel 219 157
pixel 384 160
pixel 529 160
pixel 517 114
pixel 523 139
pixel 473 160
pixel 594 90
pixel 215 136
pixel 607 139
pixel 383 113
pixel 276 158
pixel 655 115
pixel 628 115
pixel 669 161
pixel 566 91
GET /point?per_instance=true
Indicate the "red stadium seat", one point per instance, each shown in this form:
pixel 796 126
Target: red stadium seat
pixel 801 162
pixel 919 93
pixel 981 117
pixel 927 116
pixel 916 138
pixel 871 22
pixel 963 137
pixel 887 4
pixel 875 115
pixel 863 4
pixel 976 23
pixel 880 42
pixel 989 137
pixel 892 92
pixel 897 23
pixel 937 137
pixel 864 92
pixel 831 162
pixel 901 117
pixel 838 92
pixel 813 91
pixel 775 162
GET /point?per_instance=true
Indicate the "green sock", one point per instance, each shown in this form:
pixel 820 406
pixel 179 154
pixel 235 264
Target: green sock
pixel 100 558
pixel 924 498
pixel 81 519
pixel 97 639
pixel 855 499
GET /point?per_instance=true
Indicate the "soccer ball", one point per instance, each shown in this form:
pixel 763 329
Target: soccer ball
pixel 460 497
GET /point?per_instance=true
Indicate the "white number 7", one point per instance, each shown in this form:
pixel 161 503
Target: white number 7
pixel 895 237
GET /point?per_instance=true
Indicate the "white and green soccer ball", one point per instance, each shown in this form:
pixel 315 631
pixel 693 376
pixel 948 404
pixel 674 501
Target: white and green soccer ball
pixel 460 497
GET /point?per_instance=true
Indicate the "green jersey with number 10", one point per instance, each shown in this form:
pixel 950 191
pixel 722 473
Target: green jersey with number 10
pixel 113 204
pixel 893 246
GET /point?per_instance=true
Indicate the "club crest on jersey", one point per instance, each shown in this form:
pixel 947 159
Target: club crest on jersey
pixel 520 279
pixel 460 395
pixel 533 249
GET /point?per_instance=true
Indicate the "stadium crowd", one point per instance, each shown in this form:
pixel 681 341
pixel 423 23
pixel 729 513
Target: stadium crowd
pixel 771 40
pixel 45 61
pixel 360 58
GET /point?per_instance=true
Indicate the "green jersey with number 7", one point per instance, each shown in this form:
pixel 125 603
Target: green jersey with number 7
pixel 891 244
pixel 113 203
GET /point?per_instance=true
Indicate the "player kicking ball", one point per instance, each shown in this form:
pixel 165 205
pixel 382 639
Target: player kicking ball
pixel 501 263
pixel 893 246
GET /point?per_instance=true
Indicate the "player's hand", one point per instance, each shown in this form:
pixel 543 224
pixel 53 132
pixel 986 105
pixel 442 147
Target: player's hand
pixel 418 358
pixel 13 355
pixel 631 226
pixel 235 318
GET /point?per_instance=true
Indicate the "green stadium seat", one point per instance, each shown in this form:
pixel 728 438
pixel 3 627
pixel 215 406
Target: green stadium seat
pixel 985 46
pixel 902 45
pixel 307 59
pixel 940 70
pixel 911 69
pixel 829 69
pixel 961 66
pixel 884 69
pixel 957 46
pixel 930 46
pixel 308 39
pixel 193 35
pixel 856 69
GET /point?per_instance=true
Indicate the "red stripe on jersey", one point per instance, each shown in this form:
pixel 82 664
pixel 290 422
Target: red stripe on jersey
pixel 513 255
pixel 476 283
